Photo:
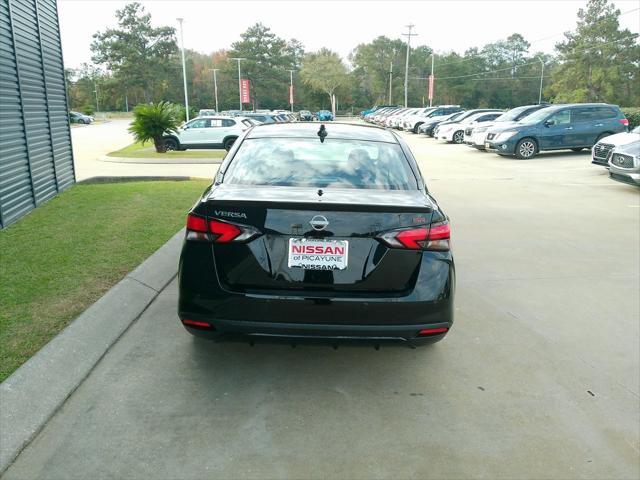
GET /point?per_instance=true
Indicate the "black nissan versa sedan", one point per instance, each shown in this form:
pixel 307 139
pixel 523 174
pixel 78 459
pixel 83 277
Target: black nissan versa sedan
pixel 317 232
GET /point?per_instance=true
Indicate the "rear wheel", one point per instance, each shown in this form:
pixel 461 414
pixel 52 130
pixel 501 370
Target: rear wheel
pixel 228 143
pixel 602 135
pixel 458 137
pixel 416 129
pixel 171 144
pixel 526 148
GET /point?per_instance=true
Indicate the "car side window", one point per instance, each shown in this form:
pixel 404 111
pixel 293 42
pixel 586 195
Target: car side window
pixel 605 112
pixel 227 122
pixel 584 114
pixel 199 123
pixel 563 117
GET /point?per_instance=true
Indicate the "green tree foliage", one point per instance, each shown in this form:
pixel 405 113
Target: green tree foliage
pixel 324 71
pixel 598 62
pixel 151 121
pixel 268 57
pixel 138 55
pixel 139 63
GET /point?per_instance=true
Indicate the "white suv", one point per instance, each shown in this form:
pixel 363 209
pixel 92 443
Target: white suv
pixel 208 132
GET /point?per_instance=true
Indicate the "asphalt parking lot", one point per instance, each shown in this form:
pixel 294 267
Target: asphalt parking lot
pixel 539 377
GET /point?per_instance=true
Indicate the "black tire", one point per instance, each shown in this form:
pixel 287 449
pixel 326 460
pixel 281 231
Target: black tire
pixel 228 143
pixel 82 121
pixel 417 127
pixel 171 144
pixel 458 137
pixel 526 149
pixel 578 149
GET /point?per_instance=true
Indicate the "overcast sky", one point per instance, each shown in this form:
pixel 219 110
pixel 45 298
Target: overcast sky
pixel 339 24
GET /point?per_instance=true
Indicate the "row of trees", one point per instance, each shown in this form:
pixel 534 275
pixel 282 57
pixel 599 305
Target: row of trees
pixel 137 63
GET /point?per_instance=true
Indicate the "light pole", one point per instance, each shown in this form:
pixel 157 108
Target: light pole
pixel 432 80
pixel 291 91
pixel 390 80
pixel 184 71
pixel 215 86
pixel 406 66
pixel 239 79
pixel 541 80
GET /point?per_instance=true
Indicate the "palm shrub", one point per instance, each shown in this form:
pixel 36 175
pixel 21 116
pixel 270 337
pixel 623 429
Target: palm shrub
pixel 153 120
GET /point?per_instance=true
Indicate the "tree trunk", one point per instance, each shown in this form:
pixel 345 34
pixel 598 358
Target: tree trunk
pixel 333 104
pixel 158 142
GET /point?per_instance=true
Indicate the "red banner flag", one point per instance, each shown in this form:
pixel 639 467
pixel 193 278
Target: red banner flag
pixel 431 82
pixel 245 95
pixel 290 94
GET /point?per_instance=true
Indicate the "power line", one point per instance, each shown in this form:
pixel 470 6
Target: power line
pixel 481 54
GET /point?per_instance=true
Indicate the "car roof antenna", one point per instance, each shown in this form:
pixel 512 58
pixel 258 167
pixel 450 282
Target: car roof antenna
pixel 322 133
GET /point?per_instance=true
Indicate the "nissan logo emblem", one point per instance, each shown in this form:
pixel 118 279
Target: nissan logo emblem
pixel 319 222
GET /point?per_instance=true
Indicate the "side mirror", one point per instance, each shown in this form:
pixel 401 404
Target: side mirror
pixel 549 123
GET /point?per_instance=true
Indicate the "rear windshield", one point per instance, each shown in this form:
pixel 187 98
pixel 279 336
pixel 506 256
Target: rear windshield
pixel 305 162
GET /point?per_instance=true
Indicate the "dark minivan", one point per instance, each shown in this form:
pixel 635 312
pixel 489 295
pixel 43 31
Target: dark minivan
pixel 569 126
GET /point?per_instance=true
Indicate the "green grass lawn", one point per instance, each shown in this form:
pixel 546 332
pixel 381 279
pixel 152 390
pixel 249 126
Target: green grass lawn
pixel 147 150
pixel 66 254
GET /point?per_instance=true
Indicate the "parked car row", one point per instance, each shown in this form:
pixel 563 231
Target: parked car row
pixel 211 130
pixel 272 116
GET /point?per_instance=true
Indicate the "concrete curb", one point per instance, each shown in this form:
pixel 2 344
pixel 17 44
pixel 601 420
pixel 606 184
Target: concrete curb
pixel 162 161
pixel 103 179
pixel 34 392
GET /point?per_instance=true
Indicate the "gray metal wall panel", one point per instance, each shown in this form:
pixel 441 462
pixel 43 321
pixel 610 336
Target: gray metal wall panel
pixel 16 196
pixel 37 159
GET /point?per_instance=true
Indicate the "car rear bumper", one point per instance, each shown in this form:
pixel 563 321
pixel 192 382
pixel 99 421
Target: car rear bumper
pixel 316 314
pixel 234 330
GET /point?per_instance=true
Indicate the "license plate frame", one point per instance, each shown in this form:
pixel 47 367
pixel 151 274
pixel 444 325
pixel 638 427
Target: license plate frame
pixel 318 254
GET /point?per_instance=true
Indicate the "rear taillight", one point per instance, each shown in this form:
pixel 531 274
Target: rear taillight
pixel 435 237
pixel 624 122
pixel 218 231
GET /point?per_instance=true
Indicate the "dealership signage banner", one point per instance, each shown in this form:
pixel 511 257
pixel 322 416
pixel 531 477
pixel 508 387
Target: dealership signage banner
pixel 245 95
pixel 290 93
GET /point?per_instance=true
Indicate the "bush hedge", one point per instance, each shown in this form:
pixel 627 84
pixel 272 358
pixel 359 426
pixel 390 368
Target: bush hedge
pixel 633 115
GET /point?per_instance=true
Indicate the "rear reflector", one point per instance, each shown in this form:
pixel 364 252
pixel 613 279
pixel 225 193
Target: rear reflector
pixel 196 323
pixel 432 331
pixel 624 122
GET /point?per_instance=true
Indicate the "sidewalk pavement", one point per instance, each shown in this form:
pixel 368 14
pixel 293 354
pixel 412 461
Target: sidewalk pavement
pixel 34 392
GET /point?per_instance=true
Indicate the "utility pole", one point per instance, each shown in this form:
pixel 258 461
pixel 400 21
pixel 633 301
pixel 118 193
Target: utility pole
pixel 239 79
pixel 433 55
pixel 215 86
pixel 390 80
pixel 184 71
pixel 291 91
pixel 541 80
pixel 406 67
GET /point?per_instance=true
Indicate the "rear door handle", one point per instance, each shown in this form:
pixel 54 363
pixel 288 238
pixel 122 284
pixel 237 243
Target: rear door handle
pixel 568 128
pixel 599 124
